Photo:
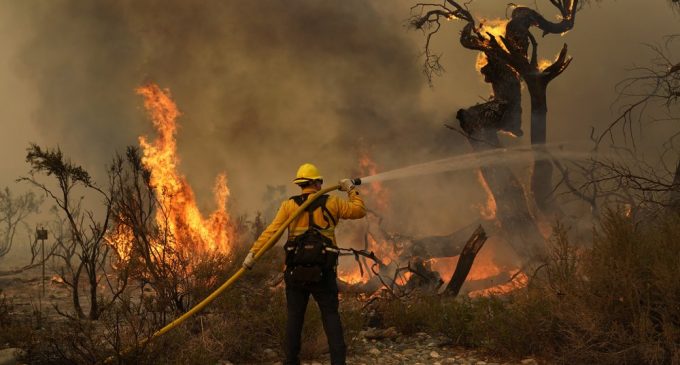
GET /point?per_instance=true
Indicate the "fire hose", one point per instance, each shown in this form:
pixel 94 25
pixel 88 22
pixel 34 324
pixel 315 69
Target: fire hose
pixel 272 240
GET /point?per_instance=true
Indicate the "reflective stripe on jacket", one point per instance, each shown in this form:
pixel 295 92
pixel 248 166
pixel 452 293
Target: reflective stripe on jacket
pixel 353 208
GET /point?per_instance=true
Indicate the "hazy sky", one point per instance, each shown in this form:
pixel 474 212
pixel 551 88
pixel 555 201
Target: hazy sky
pixel 267 85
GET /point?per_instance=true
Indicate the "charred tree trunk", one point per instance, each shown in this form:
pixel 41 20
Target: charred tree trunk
pixel 481 123
pixel 541 177
pixel 94 304
pixel 75 294
pixel 517 39
pixel 467 257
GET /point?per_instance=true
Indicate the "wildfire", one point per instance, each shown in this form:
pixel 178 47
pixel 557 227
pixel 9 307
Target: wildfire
pixel 185 221
pixel 485 268
pixel 377 198
pixel 389 249
pixel 377 193
pixel 178 213
pixel 495 27
pixel 519 280
pixel 481 61
pixel 543 64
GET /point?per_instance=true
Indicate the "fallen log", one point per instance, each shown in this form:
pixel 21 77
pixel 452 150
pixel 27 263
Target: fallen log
pixel 450 245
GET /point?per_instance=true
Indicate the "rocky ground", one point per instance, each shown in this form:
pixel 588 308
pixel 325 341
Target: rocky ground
pixel 387 347
pixel 371 346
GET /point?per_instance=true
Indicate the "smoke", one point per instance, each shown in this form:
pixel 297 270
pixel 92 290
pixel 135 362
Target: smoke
pixel 263 87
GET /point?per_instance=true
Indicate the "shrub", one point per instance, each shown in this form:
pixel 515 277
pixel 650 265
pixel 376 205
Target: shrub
pixel 615 303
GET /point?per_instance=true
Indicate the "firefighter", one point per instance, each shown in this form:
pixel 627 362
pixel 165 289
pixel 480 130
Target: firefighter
pixel 311 261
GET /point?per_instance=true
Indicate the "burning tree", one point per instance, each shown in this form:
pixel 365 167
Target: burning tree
pixel 505 61
pixel 159 229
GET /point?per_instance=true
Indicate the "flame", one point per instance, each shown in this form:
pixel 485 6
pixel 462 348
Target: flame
pixel 495 27
pixel 352 276
pixel 488 210
pixel 184 220
pixel 507 133
pixel 519 280
pixel 481 61
pixel 376 196
pixel 389 250
pixel 57 279
pixel 191 233
pixel 484 267
pixel 543 64
pixel 376 192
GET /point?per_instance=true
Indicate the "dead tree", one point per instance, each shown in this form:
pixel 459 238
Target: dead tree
pixel 622 176
pixel 509 62
pixel 83 250
pixel 13 211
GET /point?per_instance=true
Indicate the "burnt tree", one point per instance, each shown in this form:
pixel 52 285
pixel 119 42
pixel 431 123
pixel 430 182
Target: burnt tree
pixel 13 211
pixel 83 250
pixel 509 61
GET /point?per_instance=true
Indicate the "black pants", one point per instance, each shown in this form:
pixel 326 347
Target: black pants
pixel 326 296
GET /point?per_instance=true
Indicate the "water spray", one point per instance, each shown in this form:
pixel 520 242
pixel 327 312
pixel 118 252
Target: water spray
pixel 505 156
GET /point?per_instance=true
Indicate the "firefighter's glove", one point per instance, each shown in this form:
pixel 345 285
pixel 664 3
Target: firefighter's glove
pixel 249 262
pixel 346 185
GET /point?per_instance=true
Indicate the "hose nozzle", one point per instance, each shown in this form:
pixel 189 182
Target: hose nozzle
pixel 356 181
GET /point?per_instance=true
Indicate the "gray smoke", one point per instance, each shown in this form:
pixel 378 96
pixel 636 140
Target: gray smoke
pixel 267 85
pixel 262 86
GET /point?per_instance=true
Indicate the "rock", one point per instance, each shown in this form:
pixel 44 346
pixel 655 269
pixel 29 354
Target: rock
pixel 529 361
pixel 434 355
pixel 379 334
pixel 444 341
pixel 269 354
pixel 409 352
pixel 10 356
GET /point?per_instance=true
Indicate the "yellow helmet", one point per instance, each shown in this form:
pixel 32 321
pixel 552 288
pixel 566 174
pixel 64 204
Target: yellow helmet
pixel 307 172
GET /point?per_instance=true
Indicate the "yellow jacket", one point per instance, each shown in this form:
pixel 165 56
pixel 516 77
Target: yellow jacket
pixel 339 208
